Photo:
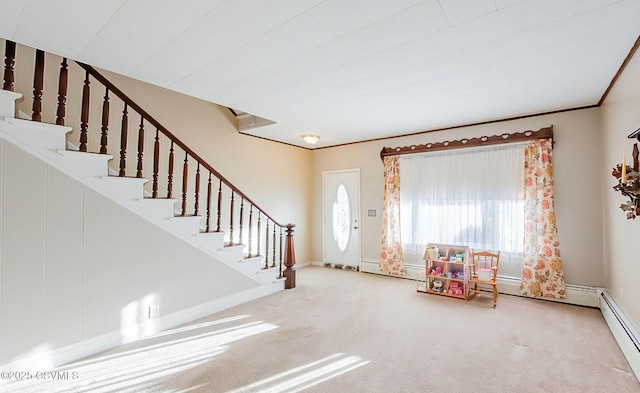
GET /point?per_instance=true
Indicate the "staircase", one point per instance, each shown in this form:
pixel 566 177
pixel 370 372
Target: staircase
pixel 48 142
pixel 255 246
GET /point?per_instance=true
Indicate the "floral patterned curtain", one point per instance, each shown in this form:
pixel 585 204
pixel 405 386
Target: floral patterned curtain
pixel 542 274
pixel 391 261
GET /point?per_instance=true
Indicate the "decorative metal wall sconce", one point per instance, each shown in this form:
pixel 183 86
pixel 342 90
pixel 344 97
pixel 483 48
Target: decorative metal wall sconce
pixel 629 180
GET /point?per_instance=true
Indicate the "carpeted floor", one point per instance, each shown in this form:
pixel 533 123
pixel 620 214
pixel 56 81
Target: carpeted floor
pixel 342 331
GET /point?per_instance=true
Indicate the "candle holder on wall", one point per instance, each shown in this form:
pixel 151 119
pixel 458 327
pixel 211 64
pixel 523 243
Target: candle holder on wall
pixel 629 181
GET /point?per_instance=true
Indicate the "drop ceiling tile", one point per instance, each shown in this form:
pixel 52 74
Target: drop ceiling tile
pixel 500 4
pixel 267 50
pixel 419 50
pixel 383 34
pixel 566 29
pixel 274 77
pixel 422 19
pixel 622 13
pixel 139 38
pixel 457 13
pixel 456 38
pixel 447 63
pixel 342 50
pixel 186 53
pixel 199 7
pixel 368 67
pixel 8 20
pixel 568 49
pixel 270 79
pixel 474 73
pixel 341 17
pixel 587 5
pixel 378 9
pixel 427 85
pixel 307 30
pixel 485 52
pixel 467 90
pixel 63 41
pixel 511 90
pixel 541 12
pixel 292 8
pixel 377 64
pixel 257 15
pixel 508 64
pixel 216 75
pixel 500 23
pixel 407 74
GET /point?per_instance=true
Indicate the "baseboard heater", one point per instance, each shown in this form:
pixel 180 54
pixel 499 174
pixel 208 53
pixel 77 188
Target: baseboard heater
pixel 623 331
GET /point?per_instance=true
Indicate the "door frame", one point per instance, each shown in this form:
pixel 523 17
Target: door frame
pixel 357 213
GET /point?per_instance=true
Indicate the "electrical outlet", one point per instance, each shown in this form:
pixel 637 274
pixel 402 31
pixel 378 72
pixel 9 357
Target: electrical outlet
pixel 154 311
pixel 621 293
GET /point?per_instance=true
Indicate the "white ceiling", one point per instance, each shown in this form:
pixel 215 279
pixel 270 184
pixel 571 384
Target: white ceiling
pixel 347 70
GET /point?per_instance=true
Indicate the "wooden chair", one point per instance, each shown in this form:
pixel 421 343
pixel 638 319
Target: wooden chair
pixel 483 272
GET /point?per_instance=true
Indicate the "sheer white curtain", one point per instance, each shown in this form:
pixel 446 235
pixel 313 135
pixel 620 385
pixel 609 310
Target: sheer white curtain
pixel 473 196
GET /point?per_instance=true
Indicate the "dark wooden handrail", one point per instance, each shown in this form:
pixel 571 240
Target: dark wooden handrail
pixel 113 89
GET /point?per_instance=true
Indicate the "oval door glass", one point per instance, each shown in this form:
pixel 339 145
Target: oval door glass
pixel 341 217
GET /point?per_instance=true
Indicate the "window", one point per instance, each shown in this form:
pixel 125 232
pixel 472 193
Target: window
pixel 341 218
pixel 473 197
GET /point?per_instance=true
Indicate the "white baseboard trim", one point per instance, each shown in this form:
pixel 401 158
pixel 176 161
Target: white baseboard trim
pixel 371 266
pixel 301 265
pixel 576 294
pixel 44 359
pixel 579 295
pixel 623 331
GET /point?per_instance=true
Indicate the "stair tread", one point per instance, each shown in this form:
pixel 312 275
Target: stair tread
pixel 38 125
pixel 85 154
pixel 125 179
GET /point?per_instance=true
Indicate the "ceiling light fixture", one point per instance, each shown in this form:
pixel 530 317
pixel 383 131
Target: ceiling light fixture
pixel 310 139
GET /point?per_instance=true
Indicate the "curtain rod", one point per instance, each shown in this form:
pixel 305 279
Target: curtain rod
pixel 543 133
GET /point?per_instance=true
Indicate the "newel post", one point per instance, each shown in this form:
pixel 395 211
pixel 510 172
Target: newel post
pixel 289 259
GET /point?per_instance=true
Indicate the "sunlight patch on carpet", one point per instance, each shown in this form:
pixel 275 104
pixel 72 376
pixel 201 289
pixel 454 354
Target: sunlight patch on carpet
pixel 143 369
pixel 296 379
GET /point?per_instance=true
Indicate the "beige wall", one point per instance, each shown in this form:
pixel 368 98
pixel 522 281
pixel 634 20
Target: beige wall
pixel 577 155
pixel 273 175
pixel 621 116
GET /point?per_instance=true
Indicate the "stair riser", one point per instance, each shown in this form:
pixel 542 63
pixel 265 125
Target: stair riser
pixel 251 264
pixel 156 209
pixel 186 226
pixel 126 191
pixel 88 168
pixel 40 139
pixel 8 103
pixel 231 254
pixel 210 243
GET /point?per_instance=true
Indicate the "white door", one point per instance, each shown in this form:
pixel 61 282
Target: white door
pixel 341 211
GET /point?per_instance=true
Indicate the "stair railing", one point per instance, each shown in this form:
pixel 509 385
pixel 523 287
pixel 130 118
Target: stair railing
pixel 260 234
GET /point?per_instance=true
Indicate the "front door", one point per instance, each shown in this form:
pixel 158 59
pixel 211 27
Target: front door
pixel 341 210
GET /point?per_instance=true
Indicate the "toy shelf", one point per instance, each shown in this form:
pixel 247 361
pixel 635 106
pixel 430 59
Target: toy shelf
pixel 446 271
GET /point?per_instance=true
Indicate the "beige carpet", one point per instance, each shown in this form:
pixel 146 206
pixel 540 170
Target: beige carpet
pixel 342 331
